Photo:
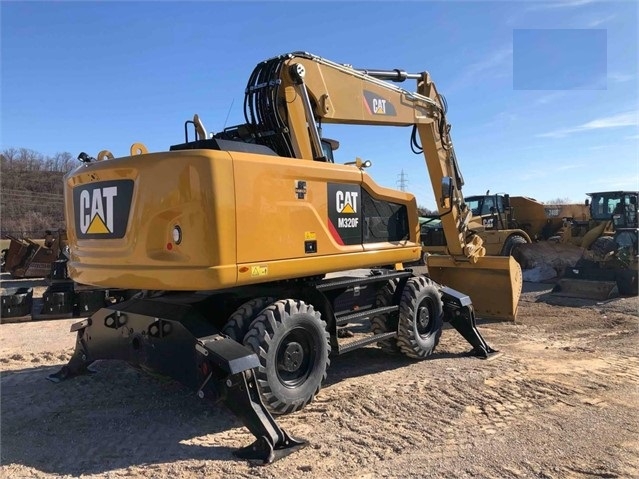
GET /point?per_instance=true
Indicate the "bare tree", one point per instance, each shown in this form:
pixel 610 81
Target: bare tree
pixel 559 201
pixel 423 211
pixel 31 190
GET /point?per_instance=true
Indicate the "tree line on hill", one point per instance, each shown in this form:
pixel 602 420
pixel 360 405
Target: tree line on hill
pixel 31 191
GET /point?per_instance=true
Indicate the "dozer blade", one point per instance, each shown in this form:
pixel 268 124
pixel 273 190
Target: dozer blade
pixel 586 289
pixel 493 283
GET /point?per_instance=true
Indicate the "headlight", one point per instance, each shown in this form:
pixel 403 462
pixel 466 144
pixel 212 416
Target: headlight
pixel 177 234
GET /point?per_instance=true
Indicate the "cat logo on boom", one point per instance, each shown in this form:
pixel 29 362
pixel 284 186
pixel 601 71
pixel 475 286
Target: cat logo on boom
pixel 376 105
pixel 379 106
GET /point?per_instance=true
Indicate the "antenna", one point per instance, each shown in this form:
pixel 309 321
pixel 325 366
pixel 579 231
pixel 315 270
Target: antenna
pixel 229 112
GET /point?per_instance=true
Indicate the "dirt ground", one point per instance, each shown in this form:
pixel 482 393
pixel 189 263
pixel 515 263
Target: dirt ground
pixel 561 402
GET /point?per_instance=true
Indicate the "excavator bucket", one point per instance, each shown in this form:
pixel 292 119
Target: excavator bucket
pixel 588 282
pixel 493 283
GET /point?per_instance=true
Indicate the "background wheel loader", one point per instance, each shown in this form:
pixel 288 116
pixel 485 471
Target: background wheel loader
pixel 237 242
pixel 608 266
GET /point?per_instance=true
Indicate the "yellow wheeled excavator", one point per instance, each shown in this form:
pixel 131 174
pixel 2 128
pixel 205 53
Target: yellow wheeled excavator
pixel 237 243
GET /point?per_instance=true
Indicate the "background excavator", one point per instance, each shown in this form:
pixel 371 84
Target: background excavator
pixel 237 242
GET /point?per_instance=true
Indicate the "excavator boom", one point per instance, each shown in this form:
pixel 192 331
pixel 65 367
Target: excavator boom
pixel 241 251
pixel 311 89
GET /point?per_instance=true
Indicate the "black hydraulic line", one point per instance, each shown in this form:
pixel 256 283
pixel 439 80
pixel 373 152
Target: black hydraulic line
pixel 414 144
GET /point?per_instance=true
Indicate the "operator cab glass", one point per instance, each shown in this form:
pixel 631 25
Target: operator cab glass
pixel 619 207
pixel 485 205
pixel 328 146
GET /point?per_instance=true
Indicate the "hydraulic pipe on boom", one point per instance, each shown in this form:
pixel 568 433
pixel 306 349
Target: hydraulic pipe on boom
pixel 343 95
pixel 239 301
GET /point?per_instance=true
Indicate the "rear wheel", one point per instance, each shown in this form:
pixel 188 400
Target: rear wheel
pixel 511 243
pixel 420 318
pixel 292 344
pixel 238 324
pixel 383 323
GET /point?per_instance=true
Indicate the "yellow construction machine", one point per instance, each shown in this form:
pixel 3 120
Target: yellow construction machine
pixel 238 242
pixel 609 264
pixel 503 222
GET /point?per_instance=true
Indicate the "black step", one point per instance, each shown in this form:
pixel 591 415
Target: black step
pixel 364 341
pixel 346 281
pixel 347 318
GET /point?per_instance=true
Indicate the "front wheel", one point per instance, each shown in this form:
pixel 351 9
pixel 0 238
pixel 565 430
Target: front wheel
pixel 511 243
pixel 420 318
pixel 292 344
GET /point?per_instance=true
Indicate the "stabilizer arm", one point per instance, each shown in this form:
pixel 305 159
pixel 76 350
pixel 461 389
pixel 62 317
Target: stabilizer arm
pixel 458 311
pixel 215 365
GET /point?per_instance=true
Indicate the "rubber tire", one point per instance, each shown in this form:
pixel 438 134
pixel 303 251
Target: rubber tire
pixel 3 259
pixel 420 296
pixel 240 321
pixel 268 333
pixel 511 243
pixel 382 323
pixel 602 246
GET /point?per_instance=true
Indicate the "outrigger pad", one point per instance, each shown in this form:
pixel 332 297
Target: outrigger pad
pixel 262 452
pixel 458 311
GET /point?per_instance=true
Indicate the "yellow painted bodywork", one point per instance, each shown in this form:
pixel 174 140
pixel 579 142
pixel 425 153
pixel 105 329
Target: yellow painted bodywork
pixel 240 218
pixel 493 283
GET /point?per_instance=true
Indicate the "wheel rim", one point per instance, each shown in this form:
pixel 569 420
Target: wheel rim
pixel 424 319
pixel 295 358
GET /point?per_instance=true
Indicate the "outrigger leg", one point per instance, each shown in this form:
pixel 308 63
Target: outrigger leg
pixel 459 312
pixel 215 365
pixel 240 394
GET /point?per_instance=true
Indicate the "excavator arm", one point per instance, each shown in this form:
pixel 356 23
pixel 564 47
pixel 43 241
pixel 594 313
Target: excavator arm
pixel 288 96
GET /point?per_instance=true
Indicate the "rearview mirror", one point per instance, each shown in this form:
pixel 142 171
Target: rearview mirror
pixel 447 188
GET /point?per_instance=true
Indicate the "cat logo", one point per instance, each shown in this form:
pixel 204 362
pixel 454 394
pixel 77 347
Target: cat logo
pixel 102 209
pixel 96 210
pixel 376 105
pixel 379 106
pixel 346 202
pixel 345 212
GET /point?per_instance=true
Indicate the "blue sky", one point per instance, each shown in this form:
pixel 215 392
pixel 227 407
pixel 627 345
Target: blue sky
pixel 539 106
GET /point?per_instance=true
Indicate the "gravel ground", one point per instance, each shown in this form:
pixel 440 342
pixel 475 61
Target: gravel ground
pixel 560 402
